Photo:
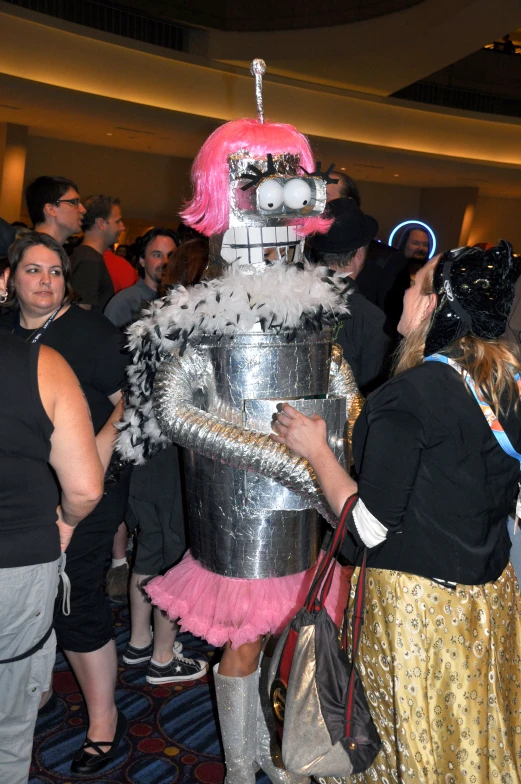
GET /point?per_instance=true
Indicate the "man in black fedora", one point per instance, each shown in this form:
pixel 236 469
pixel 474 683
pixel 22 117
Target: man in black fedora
pixel 365 335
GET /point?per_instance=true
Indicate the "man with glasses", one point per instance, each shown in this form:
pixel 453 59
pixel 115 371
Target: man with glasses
pixel 55 207
pixel 102 226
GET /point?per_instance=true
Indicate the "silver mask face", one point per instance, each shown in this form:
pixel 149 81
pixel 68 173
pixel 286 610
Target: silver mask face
pixel 266 193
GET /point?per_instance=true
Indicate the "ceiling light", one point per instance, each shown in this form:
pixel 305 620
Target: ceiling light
pixel 396 175
pixel 109 134
pixel 342 168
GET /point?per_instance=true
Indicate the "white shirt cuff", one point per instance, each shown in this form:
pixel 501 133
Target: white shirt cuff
pixel 370 530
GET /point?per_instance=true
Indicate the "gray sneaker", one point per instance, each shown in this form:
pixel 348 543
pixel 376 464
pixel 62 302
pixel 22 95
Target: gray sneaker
pixel 178 669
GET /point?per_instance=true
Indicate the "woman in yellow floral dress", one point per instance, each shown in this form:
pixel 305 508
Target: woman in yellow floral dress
pixel 437 452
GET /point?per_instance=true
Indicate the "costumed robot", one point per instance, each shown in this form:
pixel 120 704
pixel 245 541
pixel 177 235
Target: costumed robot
pixel 210 365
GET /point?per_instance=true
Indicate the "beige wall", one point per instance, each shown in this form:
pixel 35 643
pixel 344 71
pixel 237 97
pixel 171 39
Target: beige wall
pixel 444 209
pixel 497 219
pixel 151 187
pixel 389 204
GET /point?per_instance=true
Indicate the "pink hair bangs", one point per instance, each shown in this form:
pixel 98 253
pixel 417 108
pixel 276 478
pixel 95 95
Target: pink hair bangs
pixel 208 211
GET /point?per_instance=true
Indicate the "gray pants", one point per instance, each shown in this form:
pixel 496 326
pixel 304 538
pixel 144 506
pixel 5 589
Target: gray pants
pixel 26 612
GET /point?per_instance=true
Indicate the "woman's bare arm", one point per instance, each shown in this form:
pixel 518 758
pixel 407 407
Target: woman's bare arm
pixel 106 438
pixel 74 455
pixel 307 437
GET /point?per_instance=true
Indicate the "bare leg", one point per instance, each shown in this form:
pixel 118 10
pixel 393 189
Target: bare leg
pixel 96 673
pixel 140 612
pixel 120 544
pixel 241 662
pixel 165 630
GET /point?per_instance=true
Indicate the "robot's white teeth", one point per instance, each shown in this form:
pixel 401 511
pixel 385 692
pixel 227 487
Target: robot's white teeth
pixel 247 244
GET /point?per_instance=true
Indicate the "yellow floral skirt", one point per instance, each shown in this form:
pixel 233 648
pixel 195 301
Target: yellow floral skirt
pixel 441 669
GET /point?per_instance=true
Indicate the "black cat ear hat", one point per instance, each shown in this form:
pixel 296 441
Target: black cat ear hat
pixel 475 290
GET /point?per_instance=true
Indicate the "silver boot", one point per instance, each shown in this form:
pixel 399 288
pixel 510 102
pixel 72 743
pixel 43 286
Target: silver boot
pixel 237 700
pixel 268 753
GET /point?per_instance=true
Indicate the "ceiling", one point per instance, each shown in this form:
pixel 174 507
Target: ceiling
pixel 102 90
pixel 54 112
pixel 270 15
pixel 378 56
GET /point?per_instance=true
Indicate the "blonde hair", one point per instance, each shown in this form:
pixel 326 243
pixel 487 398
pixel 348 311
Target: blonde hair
pixel 491 364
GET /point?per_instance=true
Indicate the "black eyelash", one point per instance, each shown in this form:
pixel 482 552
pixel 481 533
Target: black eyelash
pixel 319 173
pixel 257 175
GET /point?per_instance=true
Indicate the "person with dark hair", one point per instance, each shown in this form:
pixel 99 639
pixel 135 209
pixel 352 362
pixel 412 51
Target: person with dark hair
pixel 55 207
pixel 102 225
pixel 384 278
pixel 154 251
pixel 4 276
pixel 344 188
pixel 437 451
pixel 187 265
pixel 415 246
pixel 39 293
pixel 364 335
pixel 122 274
pixel 7 237
pixel 186 233
pixel 155 504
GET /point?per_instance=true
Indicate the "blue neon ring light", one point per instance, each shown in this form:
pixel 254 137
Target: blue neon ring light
pixel 415 223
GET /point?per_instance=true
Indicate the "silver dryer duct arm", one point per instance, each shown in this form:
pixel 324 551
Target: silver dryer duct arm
pixel 179 382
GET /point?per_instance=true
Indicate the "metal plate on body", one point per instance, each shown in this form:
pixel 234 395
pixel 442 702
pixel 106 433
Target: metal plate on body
pixel 260 492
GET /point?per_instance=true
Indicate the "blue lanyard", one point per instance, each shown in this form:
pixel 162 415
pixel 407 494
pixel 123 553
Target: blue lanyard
pixel 494 423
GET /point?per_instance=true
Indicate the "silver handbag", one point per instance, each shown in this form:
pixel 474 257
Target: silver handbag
pixel 318 699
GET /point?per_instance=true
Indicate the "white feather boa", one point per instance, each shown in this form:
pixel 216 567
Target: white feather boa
pixel 282 298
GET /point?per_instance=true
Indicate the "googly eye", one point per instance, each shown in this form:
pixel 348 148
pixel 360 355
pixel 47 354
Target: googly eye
pixel 270 195
pixel 297 194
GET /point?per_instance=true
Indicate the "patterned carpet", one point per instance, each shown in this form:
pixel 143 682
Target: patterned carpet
pixel 172 738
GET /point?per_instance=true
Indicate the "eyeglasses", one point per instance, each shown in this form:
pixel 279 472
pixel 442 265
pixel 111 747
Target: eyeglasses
pixel 74 202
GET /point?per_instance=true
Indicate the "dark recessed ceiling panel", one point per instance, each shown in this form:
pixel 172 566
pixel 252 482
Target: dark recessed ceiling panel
pixel 268 15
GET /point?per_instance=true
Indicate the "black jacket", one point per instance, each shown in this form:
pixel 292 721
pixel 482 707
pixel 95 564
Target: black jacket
pixel 366 340
pixel 384 279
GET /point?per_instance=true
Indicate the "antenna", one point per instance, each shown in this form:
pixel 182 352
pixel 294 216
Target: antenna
pixel 258 69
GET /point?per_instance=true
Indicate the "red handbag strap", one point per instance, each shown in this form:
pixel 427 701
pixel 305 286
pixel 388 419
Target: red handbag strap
pixel 358 620
pixel 321 584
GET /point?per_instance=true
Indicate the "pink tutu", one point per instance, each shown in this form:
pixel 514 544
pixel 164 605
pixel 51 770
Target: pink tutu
pixel 222 609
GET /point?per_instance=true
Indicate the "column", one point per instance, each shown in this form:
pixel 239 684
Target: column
pixel 449 212
pixel 13 153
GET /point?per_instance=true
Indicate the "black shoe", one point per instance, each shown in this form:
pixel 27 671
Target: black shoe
pixel 85 764
pixel 133 655
pixel 178 669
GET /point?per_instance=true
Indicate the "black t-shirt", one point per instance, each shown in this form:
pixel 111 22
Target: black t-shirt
pixel 366 342
pixel 90 277
pixel 28 492
pixel 431 471
pixel 93 347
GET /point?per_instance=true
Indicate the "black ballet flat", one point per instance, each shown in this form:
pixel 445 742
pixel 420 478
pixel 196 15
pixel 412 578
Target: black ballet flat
pixel 86 764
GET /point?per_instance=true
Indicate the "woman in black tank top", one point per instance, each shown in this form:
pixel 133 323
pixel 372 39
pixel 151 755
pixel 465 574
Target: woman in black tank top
pixel 40 297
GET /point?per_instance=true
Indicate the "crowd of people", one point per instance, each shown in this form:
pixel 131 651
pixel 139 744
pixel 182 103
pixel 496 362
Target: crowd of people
pixel 93 497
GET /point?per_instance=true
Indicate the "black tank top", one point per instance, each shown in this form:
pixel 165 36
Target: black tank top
pixel 28 490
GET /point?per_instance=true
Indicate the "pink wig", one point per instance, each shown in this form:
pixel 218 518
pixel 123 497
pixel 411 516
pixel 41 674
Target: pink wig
pixel 208 211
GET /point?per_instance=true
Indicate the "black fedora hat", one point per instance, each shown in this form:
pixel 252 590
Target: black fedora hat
pixel 352 228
